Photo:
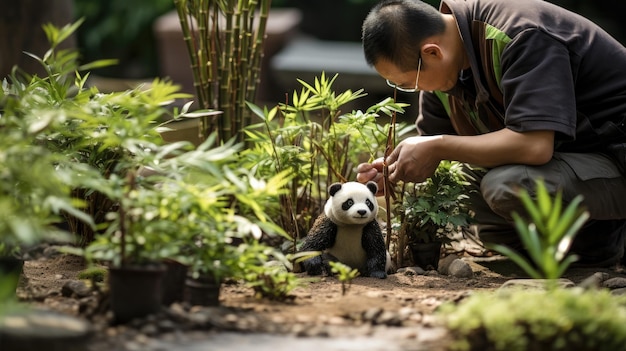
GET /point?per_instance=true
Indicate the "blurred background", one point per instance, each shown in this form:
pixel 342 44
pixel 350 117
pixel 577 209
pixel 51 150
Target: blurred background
pixel 304 38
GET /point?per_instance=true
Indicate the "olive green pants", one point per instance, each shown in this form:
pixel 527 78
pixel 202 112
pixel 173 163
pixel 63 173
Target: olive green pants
pixel 597 177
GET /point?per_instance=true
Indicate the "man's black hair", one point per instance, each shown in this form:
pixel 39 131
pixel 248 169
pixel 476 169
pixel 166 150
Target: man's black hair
pixel 394 30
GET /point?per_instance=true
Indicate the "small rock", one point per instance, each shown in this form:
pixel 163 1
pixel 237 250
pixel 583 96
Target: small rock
pixel 619 292
pixel 407 312
pixel 594 281
pixel 416 270
pixel 389 318
pixel 460 269
pixel 75 288
pixel 199 318
pixel 166 325
pixel 444 264
pixel 615 283
pixel 372 313
pixel 535 283
pixel 149 329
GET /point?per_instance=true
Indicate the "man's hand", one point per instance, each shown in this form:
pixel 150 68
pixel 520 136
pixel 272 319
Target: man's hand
pixel 372 172
pixel 414 159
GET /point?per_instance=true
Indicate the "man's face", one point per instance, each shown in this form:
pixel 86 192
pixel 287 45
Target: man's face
pixel 435 74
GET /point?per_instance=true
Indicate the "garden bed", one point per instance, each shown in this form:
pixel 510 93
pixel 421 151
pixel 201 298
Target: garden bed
pixel 396 312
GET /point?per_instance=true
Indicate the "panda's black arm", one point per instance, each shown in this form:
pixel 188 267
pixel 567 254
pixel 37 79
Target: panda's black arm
pixel 374 246
pixel 321 236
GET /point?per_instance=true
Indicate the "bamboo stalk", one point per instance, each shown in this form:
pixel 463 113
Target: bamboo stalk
pixel 224 40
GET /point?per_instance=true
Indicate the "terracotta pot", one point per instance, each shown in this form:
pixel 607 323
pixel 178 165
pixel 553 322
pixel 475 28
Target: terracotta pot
pixel 10 270
pixel 426 255
pixel 173 282
pixel 202 291
pixel 135 291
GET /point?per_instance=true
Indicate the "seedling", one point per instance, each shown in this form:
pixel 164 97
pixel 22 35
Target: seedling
pixel 549 234
pixel 344 273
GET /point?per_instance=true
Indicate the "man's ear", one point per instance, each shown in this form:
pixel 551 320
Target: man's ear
pixel 432 49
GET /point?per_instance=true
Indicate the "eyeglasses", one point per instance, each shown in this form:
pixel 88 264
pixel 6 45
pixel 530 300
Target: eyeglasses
pixel 408 90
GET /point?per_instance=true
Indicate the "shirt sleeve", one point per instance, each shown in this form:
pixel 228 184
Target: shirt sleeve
pixel 538 85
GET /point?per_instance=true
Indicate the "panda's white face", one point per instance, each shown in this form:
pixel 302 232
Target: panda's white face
pixel 351 203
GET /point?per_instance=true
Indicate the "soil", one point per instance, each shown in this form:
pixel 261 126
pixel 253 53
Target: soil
pixel 400 309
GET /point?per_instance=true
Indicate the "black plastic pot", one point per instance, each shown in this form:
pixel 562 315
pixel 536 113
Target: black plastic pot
pixel 136 291
pixel 11 269
pixel 202 291
pixel 426 255
pixel 173 282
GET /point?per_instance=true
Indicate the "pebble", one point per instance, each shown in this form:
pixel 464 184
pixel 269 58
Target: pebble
pixel 534 283
pixel 149 329
pixel 594 281
pixel 415 270
pixel 460 269
pixel 619 292
pixel 372 313
pixel 445 263
pixel 75 288
pixel 615 283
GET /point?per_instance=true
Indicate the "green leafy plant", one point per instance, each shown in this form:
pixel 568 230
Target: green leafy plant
pixel 312 139
pixel 36 182
pixel 194 205
pixel 265 269
pixel 547 234
pixel 344 273
pixel 436 208
pixel 225 44
pixel 538 320
pixel 94 274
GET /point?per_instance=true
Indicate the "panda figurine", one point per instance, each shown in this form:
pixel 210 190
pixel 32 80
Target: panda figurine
pixel 348 231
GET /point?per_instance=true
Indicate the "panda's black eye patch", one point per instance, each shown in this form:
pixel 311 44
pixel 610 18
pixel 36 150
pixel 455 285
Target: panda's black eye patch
pixel 369 204
pixel 347 204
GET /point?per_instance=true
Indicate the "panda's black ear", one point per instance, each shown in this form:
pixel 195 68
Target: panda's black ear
pixel 373 187
pixel 334 188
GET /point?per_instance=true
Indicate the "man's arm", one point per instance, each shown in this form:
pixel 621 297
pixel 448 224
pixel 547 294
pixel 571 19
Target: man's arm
pixel 416 158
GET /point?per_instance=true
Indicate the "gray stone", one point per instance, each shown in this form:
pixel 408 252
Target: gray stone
pixel 444 264
pixel 594 281
pixel 535 283
pixel 149 329
pixel 372 313
pixel 411 270
pixel 619 292
pixel 460 269
pixel 75 288
pixel 615 283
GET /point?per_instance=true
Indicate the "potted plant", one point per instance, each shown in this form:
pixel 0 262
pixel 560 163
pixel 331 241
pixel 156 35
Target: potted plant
pixel 431 212
pixel 221 205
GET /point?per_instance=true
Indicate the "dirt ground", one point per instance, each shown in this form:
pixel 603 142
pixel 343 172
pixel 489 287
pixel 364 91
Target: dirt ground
pixel 403 303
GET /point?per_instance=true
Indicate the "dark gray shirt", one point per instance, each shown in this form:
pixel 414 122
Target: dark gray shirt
pixel 547 69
